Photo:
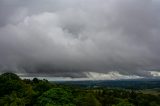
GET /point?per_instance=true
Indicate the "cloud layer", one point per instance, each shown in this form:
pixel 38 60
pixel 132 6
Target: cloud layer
pixel 68 38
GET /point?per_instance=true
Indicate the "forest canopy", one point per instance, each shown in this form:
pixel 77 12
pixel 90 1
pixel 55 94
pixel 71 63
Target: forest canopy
pixel 17 92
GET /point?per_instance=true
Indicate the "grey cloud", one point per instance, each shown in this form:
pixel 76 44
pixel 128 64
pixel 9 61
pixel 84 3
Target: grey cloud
pixel 71 37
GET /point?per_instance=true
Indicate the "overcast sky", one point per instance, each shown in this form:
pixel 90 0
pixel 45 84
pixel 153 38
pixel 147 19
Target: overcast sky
pixel 72 37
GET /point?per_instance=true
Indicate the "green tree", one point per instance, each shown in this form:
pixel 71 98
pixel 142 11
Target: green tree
pixel 56 97
pixel 41 86
pixel 12 100
pixel 87 100
pixel 9 82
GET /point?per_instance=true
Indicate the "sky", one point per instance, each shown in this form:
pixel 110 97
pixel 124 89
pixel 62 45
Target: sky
pixel 80 38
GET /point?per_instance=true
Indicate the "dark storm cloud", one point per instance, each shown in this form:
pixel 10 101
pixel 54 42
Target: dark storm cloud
pixel 69 37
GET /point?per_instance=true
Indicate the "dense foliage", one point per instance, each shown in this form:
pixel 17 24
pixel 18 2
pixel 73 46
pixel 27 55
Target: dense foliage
pixel 17 92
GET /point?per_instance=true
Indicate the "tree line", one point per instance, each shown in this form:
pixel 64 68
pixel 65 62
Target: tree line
pixel 17 92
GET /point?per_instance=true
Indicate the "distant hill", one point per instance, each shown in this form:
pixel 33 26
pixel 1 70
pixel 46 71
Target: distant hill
pixel 134 84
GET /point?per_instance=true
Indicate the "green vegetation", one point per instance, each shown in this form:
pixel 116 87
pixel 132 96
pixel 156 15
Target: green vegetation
pixel 17 92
